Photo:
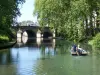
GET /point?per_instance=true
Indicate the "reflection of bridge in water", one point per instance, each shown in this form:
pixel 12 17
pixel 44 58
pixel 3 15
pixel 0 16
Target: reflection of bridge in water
pixel 36 42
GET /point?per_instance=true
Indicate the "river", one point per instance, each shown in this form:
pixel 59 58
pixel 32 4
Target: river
pixel 49 57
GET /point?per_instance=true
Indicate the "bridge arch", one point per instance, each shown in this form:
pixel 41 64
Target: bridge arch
pixel 31 34
pixel 47 34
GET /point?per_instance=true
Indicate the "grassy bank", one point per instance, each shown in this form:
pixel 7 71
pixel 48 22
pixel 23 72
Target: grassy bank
pixel 6 39
pixel 95 41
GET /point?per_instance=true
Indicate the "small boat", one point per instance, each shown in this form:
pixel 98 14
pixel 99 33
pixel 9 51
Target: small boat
pixel 79 52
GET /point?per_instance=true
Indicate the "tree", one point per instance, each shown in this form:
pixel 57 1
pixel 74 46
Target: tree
pixel 69 17
pixel 9 10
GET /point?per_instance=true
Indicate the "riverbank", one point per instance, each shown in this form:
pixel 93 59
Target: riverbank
pixel 95 41
pixel 7 45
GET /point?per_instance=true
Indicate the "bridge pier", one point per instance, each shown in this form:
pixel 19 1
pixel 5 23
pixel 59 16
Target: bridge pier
pixel 54 34
pixel 38 37
pixel 19 34
pixel 38 34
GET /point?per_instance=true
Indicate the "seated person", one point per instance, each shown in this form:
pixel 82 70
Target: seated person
pixel 74 48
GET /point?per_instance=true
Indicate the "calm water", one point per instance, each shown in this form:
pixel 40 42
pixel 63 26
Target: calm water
pixel 48 58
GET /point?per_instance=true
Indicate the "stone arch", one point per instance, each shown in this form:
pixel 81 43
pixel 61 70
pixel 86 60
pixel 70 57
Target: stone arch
pixel 31 34
pixel 47 34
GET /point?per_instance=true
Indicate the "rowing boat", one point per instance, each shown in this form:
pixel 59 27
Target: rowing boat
pixel 79 52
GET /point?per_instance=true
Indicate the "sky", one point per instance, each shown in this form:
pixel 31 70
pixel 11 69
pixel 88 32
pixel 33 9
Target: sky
pixel 27 11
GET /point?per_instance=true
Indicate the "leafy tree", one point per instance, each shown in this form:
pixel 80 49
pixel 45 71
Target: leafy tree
pixel 9 10
pixel 71 19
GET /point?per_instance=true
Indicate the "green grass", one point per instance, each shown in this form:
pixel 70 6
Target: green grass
pixel 4 39
pixel 95 41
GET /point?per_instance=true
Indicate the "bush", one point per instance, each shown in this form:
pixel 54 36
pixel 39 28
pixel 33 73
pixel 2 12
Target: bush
pixel 96 41
pixel 3 36
pixel 3 39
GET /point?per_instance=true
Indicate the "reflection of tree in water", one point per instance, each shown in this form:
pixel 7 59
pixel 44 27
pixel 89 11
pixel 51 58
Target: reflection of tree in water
pixel 5 57
pixel 47 51
pixel 63 47
pixel 56 65
pixel 43 51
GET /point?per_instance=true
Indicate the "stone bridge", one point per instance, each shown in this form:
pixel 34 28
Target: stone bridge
pixel 34 31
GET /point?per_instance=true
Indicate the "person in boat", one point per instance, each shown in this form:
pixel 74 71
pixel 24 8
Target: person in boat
pixel 74 48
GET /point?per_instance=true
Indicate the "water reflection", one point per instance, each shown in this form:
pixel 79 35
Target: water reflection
pixel 36 41
pixel 24 39
pixel 47 52
pixel 19 40
pixel 5 58
pixel 30 51
pixel 48 57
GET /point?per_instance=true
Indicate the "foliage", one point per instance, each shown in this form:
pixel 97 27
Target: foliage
pixel 26 23
pixel 96 41
pixel 9 10
pixel 68 17
pixel 4 38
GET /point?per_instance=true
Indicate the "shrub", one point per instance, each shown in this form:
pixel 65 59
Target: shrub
pixel 96 41
pixel 3 38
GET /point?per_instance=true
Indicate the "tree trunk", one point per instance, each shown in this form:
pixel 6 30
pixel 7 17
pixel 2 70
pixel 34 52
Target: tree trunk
pixel 91 26
pixel 86 27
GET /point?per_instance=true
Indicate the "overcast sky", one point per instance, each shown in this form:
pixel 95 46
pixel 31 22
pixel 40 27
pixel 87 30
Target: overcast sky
pixel 27 11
